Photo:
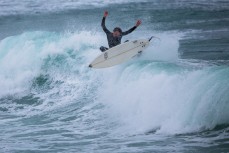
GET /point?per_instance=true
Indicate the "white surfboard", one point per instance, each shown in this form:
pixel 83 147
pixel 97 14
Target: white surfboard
pixel 120 53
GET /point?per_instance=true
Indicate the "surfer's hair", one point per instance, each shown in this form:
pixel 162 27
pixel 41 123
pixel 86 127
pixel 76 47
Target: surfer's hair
pixel 117 29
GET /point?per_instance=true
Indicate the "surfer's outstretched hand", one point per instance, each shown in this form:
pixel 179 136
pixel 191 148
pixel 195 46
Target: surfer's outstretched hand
pixel 105 14
pixel 138 23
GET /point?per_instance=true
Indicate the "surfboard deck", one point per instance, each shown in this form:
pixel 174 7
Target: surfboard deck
pixel 120 53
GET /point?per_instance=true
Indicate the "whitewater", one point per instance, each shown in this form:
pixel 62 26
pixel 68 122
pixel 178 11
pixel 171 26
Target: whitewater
pixel 172 98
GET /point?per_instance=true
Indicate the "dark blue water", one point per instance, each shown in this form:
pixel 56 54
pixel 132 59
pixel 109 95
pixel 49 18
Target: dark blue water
pixel 173 98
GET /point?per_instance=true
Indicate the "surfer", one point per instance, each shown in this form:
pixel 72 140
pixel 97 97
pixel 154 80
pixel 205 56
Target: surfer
pixel 114 38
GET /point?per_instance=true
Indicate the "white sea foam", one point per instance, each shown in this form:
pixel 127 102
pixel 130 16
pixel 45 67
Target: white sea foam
pixel 153 98
pixel 155 92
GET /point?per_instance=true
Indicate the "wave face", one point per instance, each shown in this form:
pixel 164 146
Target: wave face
pixel 168 99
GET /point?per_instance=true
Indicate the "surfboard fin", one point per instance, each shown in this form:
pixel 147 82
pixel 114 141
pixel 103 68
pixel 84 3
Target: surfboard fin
pixel 154 37
pixel 151 38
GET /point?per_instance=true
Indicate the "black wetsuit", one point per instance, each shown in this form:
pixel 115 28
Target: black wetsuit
pixel 113 41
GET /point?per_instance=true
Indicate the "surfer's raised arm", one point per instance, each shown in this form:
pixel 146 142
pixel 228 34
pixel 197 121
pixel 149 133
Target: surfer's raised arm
pixel 132 29
pixel 114 38
pixel 103 23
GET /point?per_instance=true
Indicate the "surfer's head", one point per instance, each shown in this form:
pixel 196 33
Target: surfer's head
pixel 117 32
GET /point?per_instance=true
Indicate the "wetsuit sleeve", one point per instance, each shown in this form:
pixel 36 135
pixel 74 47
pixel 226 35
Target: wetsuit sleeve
pixel 104 26
pixel 129 31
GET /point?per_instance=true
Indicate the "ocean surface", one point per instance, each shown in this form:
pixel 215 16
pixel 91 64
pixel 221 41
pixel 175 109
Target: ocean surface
pixel 172 98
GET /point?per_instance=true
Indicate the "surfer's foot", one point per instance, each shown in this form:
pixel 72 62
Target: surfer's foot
pixel 103 49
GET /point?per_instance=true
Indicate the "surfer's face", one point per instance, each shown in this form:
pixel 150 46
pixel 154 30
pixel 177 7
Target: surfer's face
pixel 116 34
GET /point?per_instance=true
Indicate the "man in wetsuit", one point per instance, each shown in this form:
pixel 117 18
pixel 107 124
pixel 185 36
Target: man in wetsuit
pixel 114 38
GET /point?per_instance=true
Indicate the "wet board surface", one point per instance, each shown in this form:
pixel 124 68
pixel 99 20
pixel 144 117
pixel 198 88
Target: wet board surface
pixel 120 53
